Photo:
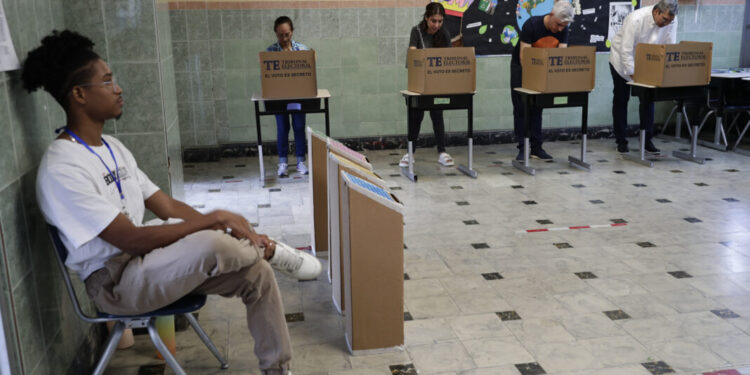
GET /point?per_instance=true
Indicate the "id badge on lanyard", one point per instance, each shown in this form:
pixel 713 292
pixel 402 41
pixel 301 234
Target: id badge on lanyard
pixel 115 175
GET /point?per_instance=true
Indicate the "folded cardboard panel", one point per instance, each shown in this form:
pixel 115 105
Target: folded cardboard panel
pixel 372 227
pixel 673 65
pixel 551 70
pixel 288 74
pixel 336 165
pixel 317 146
pixel 442 70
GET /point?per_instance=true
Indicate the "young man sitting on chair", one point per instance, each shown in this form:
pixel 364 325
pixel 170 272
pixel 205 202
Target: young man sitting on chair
pixel 90 187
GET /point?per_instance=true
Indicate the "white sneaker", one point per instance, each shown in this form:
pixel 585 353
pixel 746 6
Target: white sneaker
pixel 301 168
pixel 404 163
pixel 282 170
pixel 295 263
pixel 445 159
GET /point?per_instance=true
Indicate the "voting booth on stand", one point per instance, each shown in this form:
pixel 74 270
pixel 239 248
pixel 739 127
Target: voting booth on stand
pixel 373 259
pixel 338 163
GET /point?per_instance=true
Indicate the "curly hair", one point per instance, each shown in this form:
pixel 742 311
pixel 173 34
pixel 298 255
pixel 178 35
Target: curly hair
pixel 61 62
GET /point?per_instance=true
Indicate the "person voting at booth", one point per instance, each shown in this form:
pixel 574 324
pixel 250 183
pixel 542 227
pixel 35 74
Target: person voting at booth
pixel 90 187
pixel 284 29
pixel 548 31
pixel 655 24
pixel 429 33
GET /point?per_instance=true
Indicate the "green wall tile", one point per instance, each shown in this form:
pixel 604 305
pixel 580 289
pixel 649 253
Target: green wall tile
pixel 178 25
pixel 143 110
pixel 217 55
pixel 237 84
pixel 131 34
pixel 214 25
pixel 149 150
pixel 349 23
pixel 174 157
pixel 181 55
pixel 328 53
pixel 185 115
pixel 368 51
pixel 234 54
pixel 307 25
pixel 231 24
pixel 199 55
pixel 220 113
pixel 29 327
pixel 31 131
pixel 329 23
pixel 368 22
pixel 198 21
pixel 219 82
pixel 202 85
pixel 8 168
pixel 203 115
pixel 386 51
pixel 14 233
pixel 251 24
pixel 386 25
pixel 240 113
pixel 203 138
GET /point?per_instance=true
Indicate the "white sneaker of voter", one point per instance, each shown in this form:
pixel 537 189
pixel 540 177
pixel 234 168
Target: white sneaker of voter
pixel 301 167
pixel 295 263
pixel 445 159
pixel 282 171
pixel 404 163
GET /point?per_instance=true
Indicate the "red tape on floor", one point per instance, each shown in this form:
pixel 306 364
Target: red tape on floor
pixel 572 228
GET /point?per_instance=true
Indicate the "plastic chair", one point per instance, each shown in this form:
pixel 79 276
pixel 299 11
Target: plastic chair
pixel 184 306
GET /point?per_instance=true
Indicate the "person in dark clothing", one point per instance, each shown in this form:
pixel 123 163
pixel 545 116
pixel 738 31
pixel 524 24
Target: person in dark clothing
pixel 429 33
pixel 548 31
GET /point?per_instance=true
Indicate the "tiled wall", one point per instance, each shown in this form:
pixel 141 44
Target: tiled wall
pixel 42 332
pixel 361 61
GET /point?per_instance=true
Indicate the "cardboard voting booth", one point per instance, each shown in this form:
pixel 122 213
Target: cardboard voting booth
pixel 317 151
pixel 288 74
pixel 373 249
pixel 442 70
pixel 355 157
pixel 336 165
pixel 551 70
pixel 673 65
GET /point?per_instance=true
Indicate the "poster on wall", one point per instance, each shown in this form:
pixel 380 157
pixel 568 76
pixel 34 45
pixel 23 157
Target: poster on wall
pixel 617 13
pixel 8 57
pixel 493 27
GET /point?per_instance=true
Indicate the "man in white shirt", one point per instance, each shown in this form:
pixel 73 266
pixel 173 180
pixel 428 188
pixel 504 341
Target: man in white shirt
pixel 655 24
pixel 90 187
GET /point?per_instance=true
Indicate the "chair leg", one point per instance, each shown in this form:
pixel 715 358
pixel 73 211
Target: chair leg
pixel 705 118
pixel 168 357
pixel 739 139
pixel 109 347
pixel 206 340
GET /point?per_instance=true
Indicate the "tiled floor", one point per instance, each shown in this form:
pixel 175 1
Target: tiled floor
pixel 667 292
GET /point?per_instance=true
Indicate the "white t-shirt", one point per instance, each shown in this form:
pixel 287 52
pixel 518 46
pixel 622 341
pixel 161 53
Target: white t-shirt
pixel 77 195
pixel 638 27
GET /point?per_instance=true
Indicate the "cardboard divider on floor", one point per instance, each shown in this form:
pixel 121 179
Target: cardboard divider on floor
pixel 317 151
pixel 336 164
pixel 373 259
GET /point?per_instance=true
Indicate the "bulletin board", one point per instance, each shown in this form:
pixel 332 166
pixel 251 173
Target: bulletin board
pixel 492 27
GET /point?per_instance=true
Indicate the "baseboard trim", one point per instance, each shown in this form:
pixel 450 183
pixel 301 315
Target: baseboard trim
pixel 245 149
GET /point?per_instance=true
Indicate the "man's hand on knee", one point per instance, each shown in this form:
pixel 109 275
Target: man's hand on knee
pixel 239 227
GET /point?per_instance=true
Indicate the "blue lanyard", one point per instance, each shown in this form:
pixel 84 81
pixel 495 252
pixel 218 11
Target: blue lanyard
pixel 116 175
